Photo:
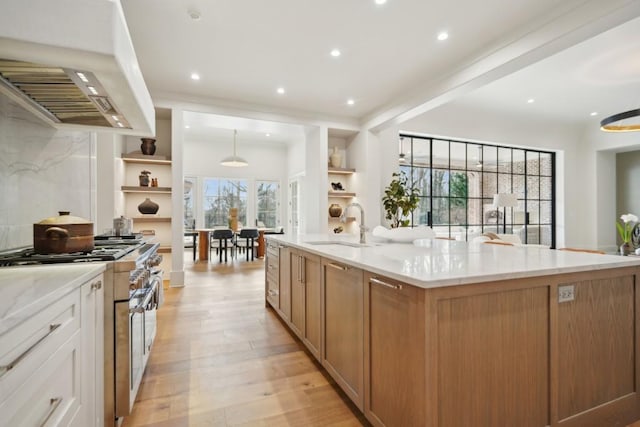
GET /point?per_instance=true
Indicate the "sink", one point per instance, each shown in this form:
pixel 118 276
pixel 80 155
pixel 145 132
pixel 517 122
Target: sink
pixel 339 243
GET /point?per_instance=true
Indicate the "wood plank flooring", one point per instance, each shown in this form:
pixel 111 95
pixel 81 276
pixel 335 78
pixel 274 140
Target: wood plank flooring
pixel 222 359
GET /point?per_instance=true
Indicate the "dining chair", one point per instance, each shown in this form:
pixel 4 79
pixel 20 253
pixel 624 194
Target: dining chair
pixel 247 241
pixel 222 240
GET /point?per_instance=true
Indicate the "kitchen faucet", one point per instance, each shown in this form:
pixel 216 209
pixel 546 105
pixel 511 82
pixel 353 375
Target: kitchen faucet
pixel 343 218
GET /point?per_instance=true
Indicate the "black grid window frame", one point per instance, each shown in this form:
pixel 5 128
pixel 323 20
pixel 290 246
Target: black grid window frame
pixel 532 185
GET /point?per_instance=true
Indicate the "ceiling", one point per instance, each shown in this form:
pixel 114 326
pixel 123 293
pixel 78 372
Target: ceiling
pixel 244 50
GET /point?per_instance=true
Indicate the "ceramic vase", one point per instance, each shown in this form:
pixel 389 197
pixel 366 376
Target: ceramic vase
pixel 625 249
pixel 335 158
pixel 148 146
pixel 335 210
pixel 148 207
pixel 144 178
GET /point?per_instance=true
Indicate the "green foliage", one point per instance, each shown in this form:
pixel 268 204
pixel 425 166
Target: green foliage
pixel 458 185
pixel 400 199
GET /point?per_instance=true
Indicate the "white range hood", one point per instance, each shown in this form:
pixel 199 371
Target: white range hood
pixel 42 40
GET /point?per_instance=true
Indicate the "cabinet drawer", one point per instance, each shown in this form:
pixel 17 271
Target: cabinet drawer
pixel 28 345
pixel 273 293
pixel 49 396
pixel 273 252
pixel 272 270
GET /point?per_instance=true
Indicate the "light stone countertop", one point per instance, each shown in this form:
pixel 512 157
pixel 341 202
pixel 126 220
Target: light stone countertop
pixel 25 290
pixel 439 263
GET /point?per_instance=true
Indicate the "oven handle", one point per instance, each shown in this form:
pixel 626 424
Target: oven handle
pixel 140 308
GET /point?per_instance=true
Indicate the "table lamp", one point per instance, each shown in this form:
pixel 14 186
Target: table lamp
pixel 505 200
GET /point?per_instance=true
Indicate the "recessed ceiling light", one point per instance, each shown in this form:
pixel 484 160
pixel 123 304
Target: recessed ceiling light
pixel 267 134
pixel 350 101
pixel 194 14
pixel 443 36
pixel 187 126
pixel 335 52
pixel 280 90
pixel 379 2
pixel 195 76
pixel 530 101
pixel 595 113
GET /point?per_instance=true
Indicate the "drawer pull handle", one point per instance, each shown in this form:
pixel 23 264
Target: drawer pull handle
pixel 96 285
pixel 338 266
pixel 375 280
pixel 54 403
pixel 6 368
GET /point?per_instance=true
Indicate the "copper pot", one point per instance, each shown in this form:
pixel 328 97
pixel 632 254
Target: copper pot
pixel 63 234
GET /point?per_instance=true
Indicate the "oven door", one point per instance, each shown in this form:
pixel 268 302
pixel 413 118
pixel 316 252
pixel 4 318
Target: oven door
pixel 130 351
pixel 155 288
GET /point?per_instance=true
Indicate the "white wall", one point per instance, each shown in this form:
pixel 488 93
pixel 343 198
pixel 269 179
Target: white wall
pixel 601 148
pixel 313 199
pixel 42 171
pixel 266 162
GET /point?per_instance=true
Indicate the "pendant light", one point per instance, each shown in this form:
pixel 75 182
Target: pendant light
pixel 234 161
pixel 402 156
pixel 608 124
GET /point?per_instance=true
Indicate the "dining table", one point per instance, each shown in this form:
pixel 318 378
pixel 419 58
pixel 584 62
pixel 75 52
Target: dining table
pixel 205 240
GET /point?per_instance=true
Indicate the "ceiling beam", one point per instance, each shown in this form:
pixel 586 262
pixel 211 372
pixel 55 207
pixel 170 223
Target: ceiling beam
pixel 540 40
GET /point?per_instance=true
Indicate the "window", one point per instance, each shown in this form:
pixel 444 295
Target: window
pixel 219 196
pixel 458 179
pixel 267 203
pixel 189 203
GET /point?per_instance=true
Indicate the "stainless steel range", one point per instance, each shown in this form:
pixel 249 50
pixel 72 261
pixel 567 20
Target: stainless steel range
pixel 133 293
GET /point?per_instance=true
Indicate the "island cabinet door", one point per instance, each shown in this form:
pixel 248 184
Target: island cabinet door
pixel 312 286
pixel 297 293
pixel 343 321
pixel 285 283
pixel 394 352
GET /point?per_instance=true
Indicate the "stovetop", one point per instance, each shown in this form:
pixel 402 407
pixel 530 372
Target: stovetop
pixel 104 251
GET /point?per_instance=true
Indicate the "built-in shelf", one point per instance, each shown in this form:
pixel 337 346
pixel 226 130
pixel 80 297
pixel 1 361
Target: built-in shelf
pixel 341 171
pixel 139 189
pixel 148 160
pixel 341 194
pixel 151 219
pixel 164 249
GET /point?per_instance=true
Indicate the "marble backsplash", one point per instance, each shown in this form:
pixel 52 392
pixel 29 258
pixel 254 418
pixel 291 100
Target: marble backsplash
pixel 42 171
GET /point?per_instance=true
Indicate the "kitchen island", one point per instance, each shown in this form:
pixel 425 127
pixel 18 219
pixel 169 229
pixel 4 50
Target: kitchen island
pixel 457 334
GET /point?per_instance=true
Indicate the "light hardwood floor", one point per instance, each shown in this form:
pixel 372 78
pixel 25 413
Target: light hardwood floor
pixel 222 359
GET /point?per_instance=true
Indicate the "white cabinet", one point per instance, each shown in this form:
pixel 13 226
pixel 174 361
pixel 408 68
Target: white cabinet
pixel 92 329
pixel 51 370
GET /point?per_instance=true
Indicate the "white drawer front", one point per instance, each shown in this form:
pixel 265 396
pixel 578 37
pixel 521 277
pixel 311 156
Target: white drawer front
pixel 27 346
pixel 48 397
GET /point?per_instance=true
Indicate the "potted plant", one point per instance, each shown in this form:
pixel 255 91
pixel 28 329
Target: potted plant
pixel 400 199
pixel 625 229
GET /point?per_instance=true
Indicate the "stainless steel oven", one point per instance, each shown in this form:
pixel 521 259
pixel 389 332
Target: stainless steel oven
pixel 135 330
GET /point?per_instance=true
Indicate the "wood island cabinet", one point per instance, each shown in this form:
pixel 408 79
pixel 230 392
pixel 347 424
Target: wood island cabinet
pixel 394 352
pixel 343 321
pixel 285 283
pixel 272 275
pixel 305 299
pixel 556 350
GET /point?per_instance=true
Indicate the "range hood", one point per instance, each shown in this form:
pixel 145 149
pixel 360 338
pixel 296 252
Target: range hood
pixel 72 63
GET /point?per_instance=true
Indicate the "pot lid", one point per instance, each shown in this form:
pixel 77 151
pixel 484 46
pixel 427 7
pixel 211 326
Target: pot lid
pixel 64 218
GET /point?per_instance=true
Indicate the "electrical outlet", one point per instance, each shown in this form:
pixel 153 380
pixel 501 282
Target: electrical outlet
pixel 566 293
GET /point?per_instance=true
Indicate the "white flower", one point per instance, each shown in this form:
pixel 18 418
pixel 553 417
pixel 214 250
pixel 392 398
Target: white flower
pixel 629 218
